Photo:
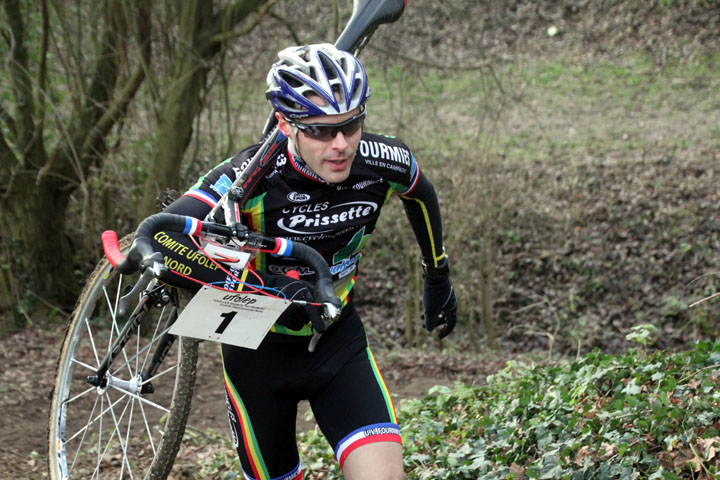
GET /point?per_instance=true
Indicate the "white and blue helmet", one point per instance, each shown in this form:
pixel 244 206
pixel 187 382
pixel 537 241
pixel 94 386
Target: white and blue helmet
pixel 337 77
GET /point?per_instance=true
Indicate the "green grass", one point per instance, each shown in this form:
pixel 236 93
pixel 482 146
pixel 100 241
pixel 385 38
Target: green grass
pixel 598 93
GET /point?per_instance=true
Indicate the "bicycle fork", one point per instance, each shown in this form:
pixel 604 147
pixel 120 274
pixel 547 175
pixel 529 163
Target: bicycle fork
pixel 151 297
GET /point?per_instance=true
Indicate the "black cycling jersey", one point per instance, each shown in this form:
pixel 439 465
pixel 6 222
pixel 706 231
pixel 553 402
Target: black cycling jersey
pixel 336 219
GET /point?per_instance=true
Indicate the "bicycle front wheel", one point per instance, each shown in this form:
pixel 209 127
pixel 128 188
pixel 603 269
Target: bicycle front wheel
pixel 119 429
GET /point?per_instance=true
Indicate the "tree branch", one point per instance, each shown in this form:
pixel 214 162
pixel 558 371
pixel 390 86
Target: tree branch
pixel 5 35
pixel 237 12
pixel 8 163
pixel 42 72
pixel 144 43
pixel 113 113
pixel 66 158
pixel 18 72
pixel 8 121
pixel 68 57
pixel 117 109
pixel 7 160
pixel 286 23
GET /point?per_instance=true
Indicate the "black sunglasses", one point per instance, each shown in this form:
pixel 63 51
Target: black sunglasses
pixel 325 132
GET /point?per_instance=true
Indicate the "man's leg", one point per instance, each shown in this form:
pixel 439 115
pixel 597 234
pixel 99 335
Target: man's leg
pixel 375 461
pixel 356 415
pixel 262 422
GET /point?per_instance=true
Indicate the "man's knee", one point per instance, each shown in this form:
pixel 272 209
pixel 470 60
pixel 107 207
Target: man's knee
pixel 375 461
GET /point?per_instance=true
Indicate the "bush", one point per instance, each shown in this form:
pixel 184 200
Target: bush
pixel 638 415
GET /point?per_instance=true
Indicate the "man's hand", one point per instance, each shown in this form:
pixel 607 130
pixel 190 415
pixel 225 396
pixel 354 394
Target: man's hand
pixel 296 316
pixel 439 303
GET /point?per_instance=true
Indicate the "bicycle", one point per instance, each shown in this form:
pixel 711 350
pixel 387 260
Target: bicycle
pixel 128 429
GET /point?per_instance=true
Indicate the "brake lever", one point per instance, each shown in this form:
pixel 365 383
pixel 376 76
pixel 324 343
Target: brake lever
pixel 330 311
pixel 148 274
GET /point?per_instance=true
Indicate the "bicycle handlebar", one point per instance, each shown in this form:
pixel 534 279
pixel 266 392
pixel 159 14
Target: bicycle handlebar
pixel 142 255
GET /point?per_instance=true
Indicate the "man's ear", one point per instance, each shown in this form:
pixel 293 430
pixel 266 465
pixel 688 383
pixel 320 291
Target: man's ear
pixel 283 125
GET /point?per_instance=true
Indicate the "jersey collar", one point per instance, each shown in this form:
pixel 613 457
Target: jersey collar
pixel 301 167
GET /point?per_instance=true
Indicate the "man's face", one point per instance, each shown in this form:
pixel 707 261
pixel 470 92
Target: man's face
pixel 330 159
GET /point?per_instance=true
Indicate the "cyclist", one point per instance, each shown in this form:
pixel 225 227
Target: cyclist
pixel 326 189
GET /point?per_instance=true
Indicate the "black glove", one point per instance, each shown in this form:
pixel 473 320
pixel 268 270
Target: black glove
pixel 295 317
pixel 439 300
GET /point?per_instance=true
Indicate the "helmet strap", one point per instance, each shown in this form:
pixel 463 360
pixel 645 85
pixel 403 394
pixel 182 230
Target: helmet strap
pixel 293 144
pixel 297 156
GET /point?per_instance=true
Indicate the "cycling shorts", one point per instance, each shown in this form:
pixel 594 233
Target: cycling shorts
pixel 340 379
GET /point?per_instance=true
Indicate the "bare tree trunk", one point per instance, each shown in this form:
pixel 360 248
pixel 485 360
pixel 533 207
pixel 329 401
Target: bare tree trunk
pixel 35 186
pixel 39 171
pixel 202 32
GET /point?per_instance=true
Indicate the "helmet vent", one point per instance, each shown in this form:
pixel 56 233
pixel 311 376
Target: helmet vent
pixel 329 67
pixel 291 80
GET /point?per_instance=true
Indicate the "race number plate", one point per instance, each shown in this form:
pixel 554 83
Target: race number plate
pixel 236 318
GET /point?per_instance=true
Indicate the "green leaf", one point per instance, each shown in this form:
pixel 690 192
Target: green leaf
pixel 632 388
pixel 554 473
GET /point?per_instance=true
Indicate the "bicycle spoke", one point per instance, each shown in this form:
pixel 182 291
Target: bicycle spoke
pixel 100 452
pixel 158 375
pixel 92 341
pixel 118 294
pixel 139 398
pixel 127 436
pixel 112 307
pixel 145 348
pixel 115 328
pixel 81 394
pixel 98 418
pixel 83 364
pixel 155 337
pixel 147 428
pixel 136 356
pixel 98 447
pixel 103 452
pixel 123 447
pixel 82 439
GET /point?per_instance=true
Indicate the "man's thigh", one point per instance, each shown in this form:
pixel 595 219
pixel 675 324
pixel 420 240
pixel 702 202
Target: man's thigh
pixel 355 410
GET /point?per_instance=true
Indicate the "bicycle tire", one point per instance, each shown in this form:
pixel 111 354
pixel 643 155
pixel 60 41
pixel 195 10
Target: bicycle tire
pixel 114 432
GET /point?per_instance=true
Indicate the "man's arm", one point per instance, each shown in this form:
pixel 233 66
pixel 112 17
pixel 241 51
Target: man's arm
pixel 181 254
pixel 423 211
pixel 439 299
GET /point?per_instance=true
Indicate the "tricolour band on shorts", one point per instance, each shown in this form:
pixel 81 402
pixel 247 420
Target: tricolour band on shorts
pixel 378 432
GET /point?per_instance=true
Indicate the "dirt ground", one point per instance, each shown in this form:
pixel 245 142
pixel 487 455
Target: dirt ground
pixel 27 369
